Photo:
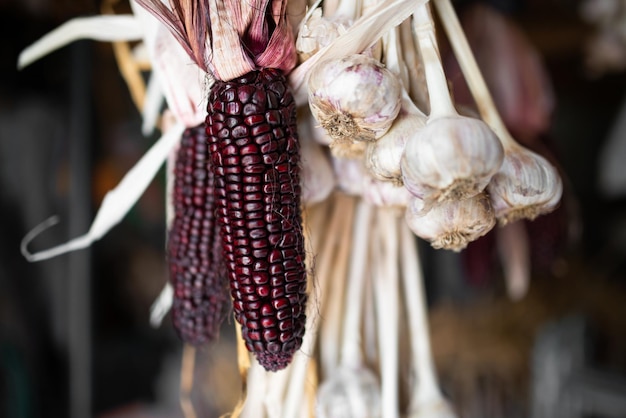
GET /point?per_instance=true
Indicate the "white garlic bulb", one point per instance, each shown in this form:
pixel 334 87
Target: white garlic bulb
pixel 452 224
pixel 355 98
pixel 317 177
pixel 385 193
pixel 382 158
pixel 349 393
pixel 452 157
pixel 317 32
pixel 526 186
pixel 349 174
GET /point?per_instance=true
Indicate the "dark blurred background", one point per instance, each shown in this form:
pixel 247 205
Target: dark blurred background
pixel 74 331
pixel 75 340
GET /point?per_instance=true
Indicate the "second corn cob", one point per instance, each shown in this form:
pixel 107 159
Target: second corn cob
pixel 197 270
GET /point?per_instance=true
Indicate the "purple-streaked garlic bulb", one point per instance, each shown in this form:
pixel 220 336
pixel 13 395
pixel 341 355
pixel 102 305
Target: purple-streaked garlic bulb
pixel 354 99
pixel 383 157
pixel 451 224
pixel 526 186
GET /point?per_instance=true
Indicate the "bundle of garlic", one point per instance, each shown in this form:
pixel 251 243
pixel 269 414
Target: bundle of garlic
pixel 462 173
pixel 450 176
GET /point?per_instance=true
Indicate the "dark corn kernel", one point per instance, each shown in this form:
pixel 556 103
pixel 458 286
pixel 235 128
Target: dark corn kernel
pixel 194 250
pixel 264 193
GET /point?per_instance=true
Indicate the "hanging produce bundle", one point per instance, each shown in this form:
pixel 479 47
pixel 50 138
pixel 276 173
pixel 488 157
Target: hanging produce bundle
pixel 309 151
pixel 255 160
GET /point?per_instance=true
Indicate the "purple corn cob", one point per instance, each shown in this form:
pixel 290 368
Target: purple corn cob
pixel 197 270
pixel 251 125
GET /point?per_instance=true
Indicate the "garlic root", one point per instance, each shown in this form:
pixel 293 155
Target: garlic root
pixel 452 224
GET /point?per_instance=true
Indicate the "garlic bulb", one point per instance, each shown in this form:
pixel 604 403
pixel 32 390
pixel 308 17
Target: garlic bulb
pixel 382 158
pixel 384 193
pixel 349 174
pixel 352 178
pixel 317 32
pixel 526 186
pixel 451 158
pixel 349 393
pixel 452 224
pixel 354 99
pixel 317 176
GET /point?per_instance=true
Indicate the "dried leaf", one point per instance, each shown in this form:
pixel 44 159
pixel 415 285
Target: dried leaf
pixel 183 83
pixel 116 203
pixel 228 59
pixel 153 102
pixel 99 28
pixel 161 306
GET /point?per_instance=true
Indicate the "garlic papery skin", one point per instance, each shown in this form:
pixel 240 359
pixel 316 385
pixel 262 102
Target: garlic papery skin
pixel 451 158
pixel 452 224
pixel 354 150
pixel 526 186
pixel 383 157
pixel 354 98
